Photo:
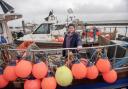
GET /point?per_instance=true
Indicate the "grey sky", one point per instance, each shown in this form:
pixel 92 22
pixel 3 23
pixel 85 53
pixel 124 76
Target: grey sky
pixel 36 10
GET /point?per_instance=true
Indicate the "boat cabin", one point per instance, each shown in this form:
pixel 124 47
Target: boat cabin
pixel 5 33
pixel 45 32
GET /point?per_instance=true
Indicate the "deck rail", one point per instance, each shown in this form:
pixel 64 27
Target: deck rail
pixel 57 51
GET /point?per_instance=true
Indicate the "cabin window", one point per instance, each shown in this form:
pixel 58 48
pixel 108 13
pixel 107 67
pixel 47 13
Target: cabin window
pixel 43 29
pixel 1 29
pixel 58 27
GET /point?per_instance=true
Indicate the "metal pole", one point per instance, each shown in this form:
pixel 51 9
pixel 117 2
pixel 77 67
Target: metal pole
pixel 110 29
pixel 67 20
pixel 115 32
pixel 84 48
pixel 114 58
pixel 23 25
pixel 68 48
pixel 126 32
pixel 121 68
pixel 104 29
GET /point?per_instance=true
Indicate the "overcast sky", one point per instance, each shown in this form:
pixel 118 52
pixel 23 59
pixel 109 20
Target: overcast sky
pixel 37 10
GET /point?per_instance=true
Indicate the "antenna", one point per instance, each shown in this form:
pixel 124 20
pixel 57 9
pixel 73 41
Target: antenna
pixel 71 16
pixel 50 15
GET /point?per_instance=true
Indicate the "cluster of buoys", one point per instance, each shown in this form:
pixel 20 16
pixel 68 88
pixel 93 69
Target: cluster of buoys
pixel 91 34
pixel 23 69
pixel 84 69
pixel 104 66
pixel 81 70
pixel 59 39
pixel 63 75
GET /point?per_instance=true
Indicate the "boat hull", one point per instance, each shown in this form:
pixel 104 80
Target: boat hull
pixel 56 44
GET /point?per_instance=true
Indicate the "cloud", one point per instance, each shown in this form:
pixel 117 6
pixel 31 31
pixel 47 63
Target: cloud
pixel 36 10
pixel 60 6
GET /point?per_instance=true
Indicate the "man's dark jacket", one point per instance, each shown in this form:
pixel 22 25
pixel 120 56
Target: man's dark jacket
pixel 73 43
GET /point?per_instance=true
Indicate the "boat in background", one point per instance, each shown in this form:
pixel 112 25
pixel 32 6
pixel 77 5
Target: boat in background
pixel 117 52
pixel 46 35
pixel 5 33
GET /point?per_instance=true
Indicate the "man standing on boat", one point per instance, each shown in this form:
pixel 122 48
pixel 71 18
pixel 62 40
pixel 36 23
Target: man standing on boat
pixel 72 40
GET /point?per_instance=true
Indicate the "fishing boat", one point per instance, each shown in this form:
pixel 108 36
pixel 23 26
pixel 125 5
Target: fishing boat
pixel 116 52
pixel 8 15
pixel 45 33
pixel 44 36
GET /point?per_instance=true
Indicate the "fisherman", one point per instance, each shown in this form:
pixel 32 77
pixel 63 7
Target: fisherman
pixel 83 32
pixel 72 40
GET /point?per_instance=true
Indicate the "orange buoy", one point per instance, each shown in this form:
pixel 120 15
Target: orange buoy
pixel 3 81
pixel 48 83
pixel 9 72
pixel 103 65
pixel 60 39
pixel 110 77
pixel 92 72
pixel 98 33
pixel 39 70
pixel 23 68
pixel 32 84
pixel 79 70
pixel 24 44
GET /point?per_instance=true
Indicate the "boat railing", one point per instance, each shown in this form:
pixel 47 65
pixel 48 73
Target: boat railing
pixel 111 28
pixel 58 49
pixel 117 63
pixel 120 70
